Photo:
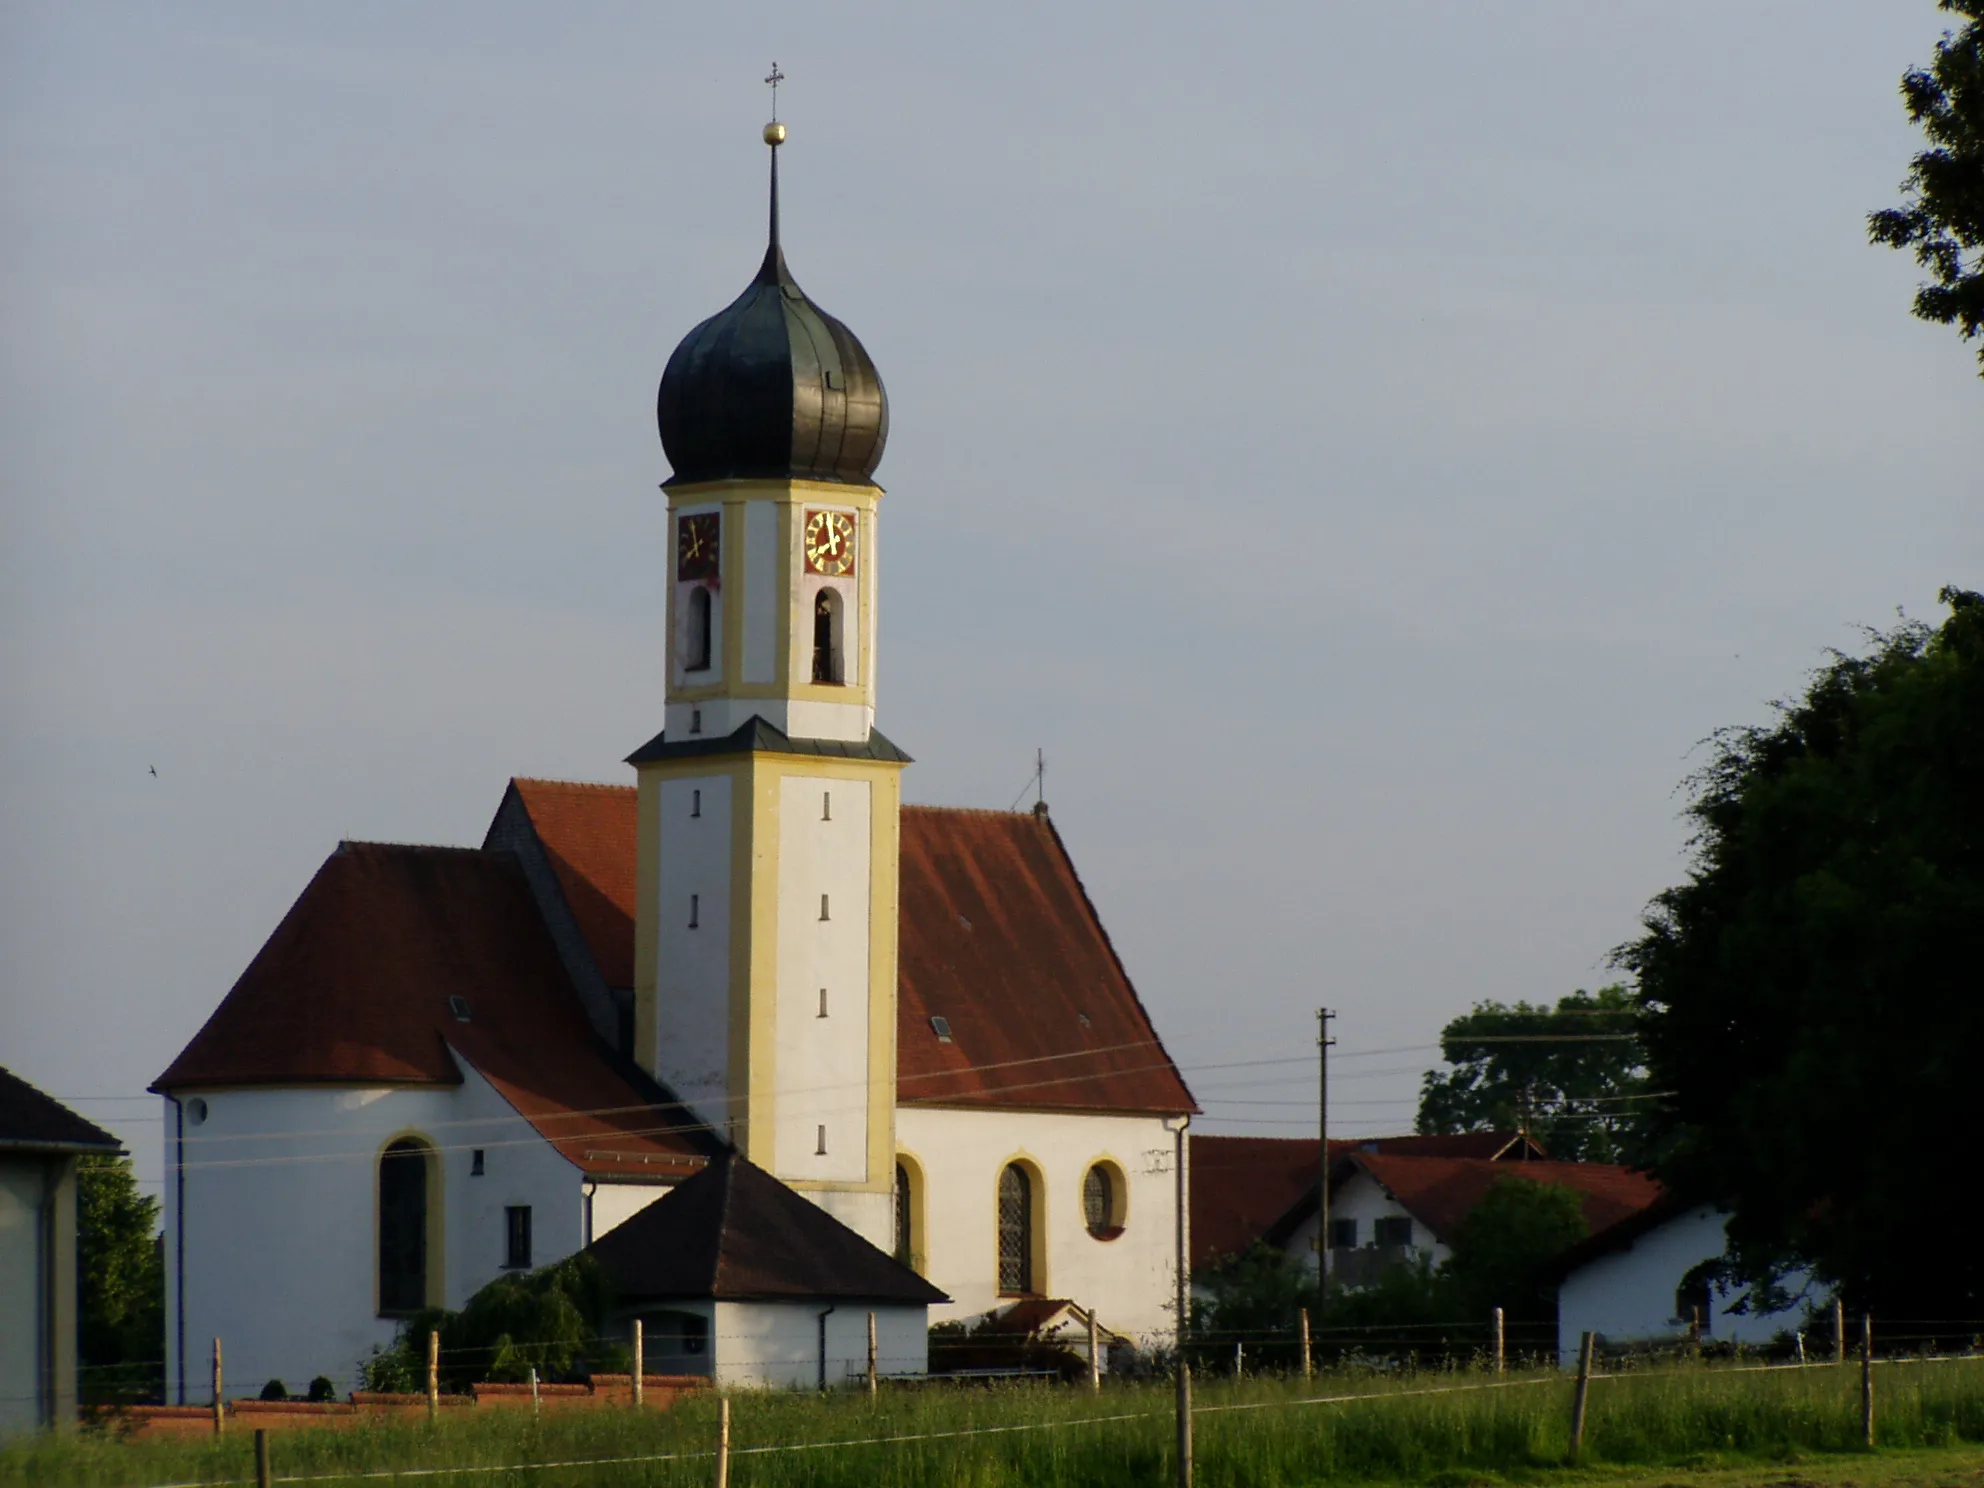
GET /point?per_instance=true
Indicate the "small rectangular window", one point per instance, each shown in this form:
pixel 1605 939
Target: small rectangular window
pixel 942 1028
pixel 1394 1229
pixel 516 1237
pixel 695 720
pixel 695 803
pixel 459 1007
pixel 826 805
pixel 823 908
pixel 475 1164
pixel 1343 1234
pixel 821 1149
pixel 823 1002
pixel 695 911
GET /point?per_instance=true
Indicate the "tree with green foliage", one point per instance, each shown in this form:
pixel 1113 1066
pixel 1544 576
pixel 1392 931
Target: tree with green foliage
pixel 1570 1076
pixel 1942 217
pixel 1504 1245
pixel 1810 994
pixel 120 1284
pixel 549 1320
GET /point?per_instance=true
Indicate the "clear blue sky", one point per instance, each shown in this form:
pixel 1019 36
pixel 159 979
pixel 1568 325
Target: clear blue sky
pixel 1366 446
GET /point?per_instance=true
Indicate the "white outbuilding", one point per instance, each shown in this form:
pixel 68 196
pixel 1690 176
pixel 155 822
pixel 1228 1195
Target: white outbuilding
pixel 736 1277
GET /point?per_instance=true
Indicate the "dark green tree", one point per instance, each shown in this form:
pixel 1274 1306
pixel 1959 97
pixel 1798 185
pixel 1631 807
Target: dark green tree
pixel 120 1284
pixel 1569 1075
pixel 1811 992
pixel 1942 216
pixel 549 1320
pixel 1504 1245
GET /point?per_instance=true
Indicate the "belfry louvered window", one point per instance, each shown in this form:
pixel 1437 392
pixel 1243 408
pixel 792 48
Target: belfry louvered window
pixel 1015 1230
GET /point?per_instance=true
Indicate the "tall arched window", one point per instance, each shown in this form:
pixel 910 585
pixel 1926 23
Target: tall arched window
pixel 1015 1230
pixel 696 651
pixel 403 1227
pixel 905 1238
pixel 827 637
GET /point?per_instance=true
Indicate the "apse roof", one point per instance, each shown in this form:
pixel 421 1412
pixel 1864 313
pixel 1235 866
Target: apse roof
pixel 355 987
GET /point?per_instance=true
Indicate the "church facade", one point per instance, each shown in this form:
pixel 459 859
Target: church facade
pixel 449 1063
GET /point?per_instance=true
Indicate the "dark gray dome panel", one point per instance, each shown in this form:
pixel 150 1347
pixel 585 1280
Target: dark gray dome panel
pixel 771 388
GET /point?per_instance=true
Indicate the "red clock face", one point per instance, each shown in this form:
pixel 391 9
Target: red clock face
pixel 696 545
pixel 829 543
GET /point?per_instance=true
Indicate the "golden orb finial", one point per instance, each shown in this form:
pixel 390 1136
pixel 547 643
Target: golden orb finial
pixel 774 134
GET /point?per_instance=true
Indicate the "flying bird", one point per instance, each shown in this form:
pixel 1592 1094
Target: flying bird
pixel 154 772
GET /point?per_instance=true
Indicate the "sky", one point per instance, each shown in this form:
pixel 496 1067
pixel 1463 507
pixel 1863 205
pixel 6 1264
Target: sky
pixel 1368 448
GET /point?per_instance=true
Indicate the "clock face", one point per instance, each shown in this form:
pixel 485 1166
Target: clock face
pixel 696 545
pixel 829 543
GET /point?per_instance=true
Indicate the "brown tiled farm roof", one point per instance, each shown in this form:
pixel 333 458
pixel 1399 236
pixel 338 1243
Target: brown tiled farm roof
pixel 355 987
pixel 1439 1191
pixel 1241 1186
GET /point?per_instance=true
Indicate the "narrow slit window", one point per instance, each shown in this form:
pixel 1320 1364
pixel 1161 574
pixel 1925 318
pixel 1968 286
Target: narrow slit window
pixel 695 803
pixel 826 805
pixel 827 667
pixel 821 1149
pixel 823 908
pixel 695 720
pixel 475 1164
pixel 516 1237
pixel 695 911
pixel 823 1002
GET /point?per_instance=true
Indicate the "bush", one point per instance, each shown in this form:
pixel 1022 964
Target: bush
pixel 274 1390
pixel 321 1389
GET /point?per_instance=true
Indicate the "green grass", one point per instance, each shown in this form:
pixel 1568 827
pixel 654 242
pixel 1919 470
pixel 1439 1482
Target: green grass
pixel 1250 1434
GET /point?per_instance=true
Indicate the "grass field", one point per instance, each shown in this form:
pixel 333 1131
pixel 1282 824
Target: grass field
pixel 1783 1427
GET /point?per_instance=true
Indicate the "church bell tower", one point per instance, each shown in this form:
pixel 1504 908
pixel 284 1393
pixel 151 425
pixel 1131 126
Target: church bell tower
pixel 769 804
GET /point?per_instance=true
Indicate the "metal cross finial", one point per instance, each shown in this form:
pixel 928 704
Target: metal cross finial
pixel 774 80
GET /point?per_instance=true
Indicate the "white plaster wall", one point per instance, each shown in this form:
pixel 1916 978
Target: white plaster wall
pixel 1628 1295
pixel 822 1063
pixel 280 1222
pixel 776 1345
pixel 804 719
pixel 872 1216
pixel 1128 1281
pixel 763 604
pixel 1365 1200
pixel 613 1204
pixel 692 979
pixel 24 1197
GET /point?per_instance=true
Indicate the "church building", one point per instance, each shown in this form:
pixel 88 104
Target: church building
pixel 451 1062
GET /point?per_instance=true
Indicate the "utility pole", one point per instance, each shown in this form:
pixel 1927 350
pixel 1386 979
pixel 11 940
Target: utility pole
pixel 1323 1042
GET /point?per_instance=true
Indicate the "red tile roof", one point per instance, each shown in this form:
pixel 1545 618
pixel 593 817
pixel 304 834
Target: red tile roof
pixel 588 832
pixel 354 987
pixel 996 935
pixel 1242 1185
pixel 1439 1191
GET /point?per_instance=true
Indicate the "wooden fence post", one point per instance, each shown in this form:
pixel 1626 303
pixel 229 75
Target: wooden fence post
pixel 1587 1345
pixel 534 1405
pixel 262 1476
pixel 723 1443
pixel 220 1406
pixel 871 1356
pixel 1094 1354
pixel 1839 1332
pixel 1867 1378
pixel 1239 1359
pixel 640 1363
pixel 433 1375
pixel 1501 1343
pixel 1184 1422
pixel 1308 1355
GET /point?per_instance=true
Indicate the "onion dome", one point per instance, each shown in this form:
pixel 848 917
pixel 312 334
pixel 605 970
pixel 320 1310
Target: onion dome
pixel 772 387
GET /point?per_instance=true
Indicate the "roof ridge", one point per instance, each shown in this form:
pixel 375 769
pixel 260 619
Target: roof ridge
pixel 1026 815
pixel 365 844
pixel 582 785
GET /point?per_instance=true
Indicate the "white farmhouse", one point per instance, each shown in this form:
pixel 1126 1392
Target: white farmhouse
pixel 449 1062
pixel 1638 1282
